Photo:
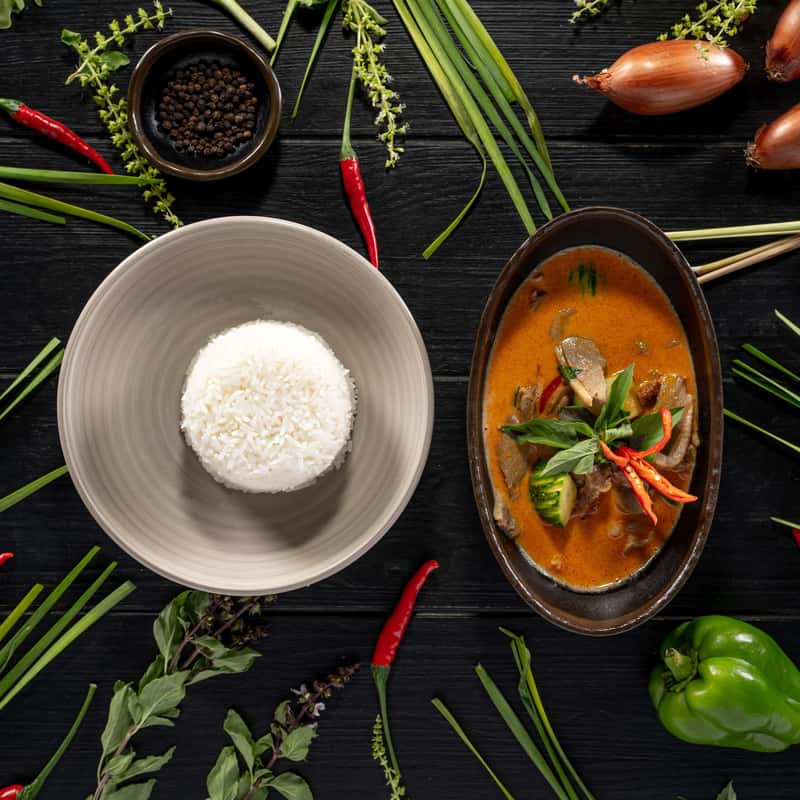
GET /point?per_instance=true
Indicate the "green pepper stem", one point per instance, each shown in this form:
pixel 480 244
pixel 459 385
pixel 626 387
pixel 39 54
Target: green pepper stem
pixel 683 666
pixel 380 675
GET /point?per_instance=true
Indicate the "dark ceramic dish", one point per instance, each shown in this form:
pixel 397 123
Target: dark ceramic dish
pixel 630 604
pixel 180 50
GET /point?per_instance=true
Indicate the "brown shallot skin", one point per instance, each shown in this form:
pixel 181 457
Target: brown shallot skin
pixel 783 49
pixel 667 77
pixel 777 145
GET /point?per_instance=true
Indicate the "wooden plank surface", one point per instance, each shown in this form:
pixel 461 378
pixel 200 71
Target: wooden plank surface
pixel 684 171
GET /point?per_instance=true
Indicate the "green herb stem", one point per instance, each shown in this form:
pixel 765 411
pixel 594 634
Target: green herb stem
pixel 321 33
pixel 755 427
pixel 30 488
pixel 793 525
pixel 69 176
pixel 247 22
pixel 18 612
pixel 77 630
pixel 761 356
pixel 786 321
pixel 40 356
pixel 49 368
pixel 757 378
pixel 451 720
pixel 288 13
pixel 33 213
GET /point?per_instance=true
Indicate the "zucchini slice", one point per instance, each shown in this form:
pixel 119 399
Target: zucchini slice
pixel 553 497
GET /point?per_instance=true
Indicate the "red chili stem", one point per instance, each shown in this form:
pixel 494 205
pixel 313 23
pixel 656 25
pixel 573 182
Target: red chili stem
pixel 548 392
pixel 666 424
pixel 53 129
pixel 3 558
pixel 354 182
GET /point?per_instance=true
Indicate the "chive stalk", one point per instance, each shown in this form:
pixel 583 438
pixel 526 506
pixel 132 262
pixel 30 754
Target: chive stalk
pixel 70 176
pixel 37 359
pixel 743 370
pixel 761 356
pixel 34 213
pixel 31 488
pixel 49 368
pixel 288 13
pixel 755 427
pixel 19 610
pixel 787 322
pixel 793 525
pixel 321 33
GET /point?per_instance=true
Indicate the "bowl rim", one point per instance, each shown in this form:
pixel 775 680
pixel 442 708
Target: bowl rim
pixel 348 555
pixel 142 71
pixel 475 445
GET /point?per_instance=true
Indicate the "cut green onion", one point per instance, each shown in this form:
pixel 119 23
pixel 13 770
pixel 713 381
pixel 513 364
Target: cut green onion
pixel 761 356
pixel 748 373
pixel 19 610
pixel 522 736
pixel 247 22
pixel 49 368
pixel 70 176
pixel 793 525
pixel 8 192
pixel 443 710
pixel 34 213
pixel 755 427
pixel 78 629
pixel 786 321
pixel 30 488
pixel 321 33
pixel 41 356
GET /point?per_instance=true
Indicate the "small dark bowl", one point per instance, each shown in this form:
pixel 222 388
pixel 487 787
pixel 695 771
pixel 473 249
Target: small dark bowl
pixel 183 49
pixel 630 604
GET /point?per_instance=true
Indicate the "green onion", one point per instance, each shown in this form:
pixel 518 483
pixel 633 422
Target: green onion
pixel 8 192
pixel 443 710
pixel 786 321
pixel 41 356
pixel 34 213
pixel 522 736
pixel 69 176
pixel 19 610
pixel 49 368
pixel 288 13
pixel 30 488
pixel 247 22
pixel 754 376
pixel 78 629
pixel 761 356
pixel 755 427
pixel 794 525
pixel 323 30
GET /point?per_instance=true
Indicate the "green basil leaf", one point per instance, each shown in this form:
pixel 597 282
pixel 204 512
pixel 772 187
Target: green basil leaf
pixel 223 780
pixel 195 605
pixel 70 38
pixel 114 59
pixel 623 431
pixel 166 631
pixel 291 786
pixel 148 764
pixel 612 412
pixel 162 695
pixel 296 744
pixel 281 715
pixel 157 722
pixel 727 793
pixel 578 459
pixel 263 744
pixel 117 766
pixel 155 670
pixel 260 793
pixel 136 791
pixel 648 430
pixel 241 737
pixel 245 785
pixel 119 719
pixel 557 433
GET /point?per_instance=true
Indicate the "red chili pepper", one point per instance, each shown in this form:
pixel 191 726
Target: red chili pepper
pixel 639 489
pixel 3 558
pixel 647 472
pixel 389 641
pixel 11 792
pixel 666 424
pixel 354 183
pixel 620 461
pixel 53 129
pixel 548 392
pixel 796 534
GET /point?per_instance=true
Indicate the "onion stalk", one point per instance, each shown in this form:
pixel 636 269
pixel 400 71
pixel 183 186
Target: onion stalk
pixel 49 368
pixel 321 33
pixel 30 488
pixel 33 213
pixel 247 22
pixel 70 176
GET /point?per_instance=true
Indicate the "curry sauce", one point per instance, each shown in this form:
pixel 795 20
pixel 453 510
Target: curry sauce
pixel 602 295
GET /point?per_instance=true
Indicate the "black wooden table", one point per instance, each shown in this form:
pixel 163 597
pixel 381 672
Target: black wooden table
pixel 683 171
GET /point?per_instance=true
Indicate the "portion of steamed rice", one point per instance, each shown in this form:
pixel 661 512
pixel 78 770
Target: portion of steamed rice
pixel 268 407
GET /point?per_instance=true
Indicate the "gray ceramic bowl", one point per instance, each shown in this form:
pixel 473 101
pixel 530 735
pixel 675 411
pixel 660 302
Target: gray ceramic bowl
pixel 119 405
pixel 634 602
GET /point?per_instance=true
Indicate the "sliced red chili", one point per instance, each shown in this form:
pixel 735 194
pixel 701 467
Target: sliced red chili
pixel 640 490
pixel 666 424
pixel 549 391
pixel 796 534
pixel 647 472
pixel 3 558
pixel 620 461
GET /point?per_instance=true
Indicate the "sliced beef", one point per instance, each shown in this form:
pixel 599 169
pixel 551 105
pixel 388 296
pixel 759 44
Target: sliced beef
pixel 503 518
pixel 583 357
pixel 513 463
pixel 526 401
pixel 590 488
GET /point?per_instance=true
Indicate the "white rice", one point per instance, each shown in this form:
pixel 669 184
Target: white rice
pixel 268 407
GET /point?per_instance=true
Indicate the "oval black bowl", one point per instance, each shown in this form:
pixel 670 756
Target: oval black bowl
pixel 151 75
pixel 630 604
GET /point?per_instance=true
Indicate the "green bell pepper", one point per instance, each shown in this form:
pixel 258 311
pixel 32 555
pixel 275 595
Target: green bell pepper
pixel 726 683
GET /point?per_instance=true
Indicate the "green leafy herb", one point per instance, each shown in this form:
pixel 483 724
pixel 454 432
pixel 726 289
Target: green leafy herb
pixel 9 7
pixel 558 433
pixel 568 373
pixel 587 9
pixel 715 21
pixel 293 729
pixel 649 429
pixel 198 636
pixel 612 412
pixel 96 62
pixel 578 459
pixel 586 278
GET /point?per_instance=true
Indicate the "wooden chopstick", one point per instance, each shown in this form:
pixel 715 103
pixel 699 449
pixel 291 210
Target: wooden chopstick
pixel 726 266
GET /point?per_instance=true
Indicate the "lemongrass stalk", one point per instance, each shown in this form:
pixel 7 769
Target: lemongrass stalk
pixel 34 213
pixel 514 724
pixel 465 73
pixel 19 610
pixel 16 672
pixel 736 231
pixel 70 176
pixel 457 109
pixel 288 13
pixel 493 53
pixel 8 192
pixel 496 91
pixel 476 116
pixel 754 376
pixel 49 368
pixel 41 356
pixel 787 322
pixel 30 488
pixel 77 630
pixel 795 525
pixel 761 356
pixel 444 711
pixel 321 33
pixel 755 427
pixel 753 256
pixel 247 22
pixel 44 608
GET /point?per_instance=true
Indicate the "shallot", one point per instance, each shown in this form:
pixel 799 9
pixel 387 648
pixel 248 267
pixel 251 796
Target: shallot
pixel 777 145
pixel 783 49
pixel 667 77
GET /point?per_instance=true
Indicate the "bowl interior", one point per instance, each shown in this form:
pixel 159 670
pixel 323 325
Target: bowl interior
pixel 119 405
pixel 181 51
pixel 631 603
